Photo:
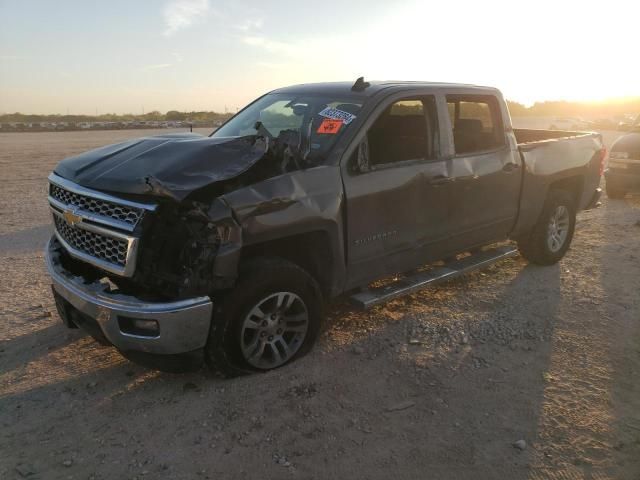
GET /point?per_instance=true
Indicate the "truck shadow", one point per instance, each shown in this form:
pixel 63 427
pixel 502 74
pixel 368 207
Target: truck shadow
pixel 442 381
pixel 473 355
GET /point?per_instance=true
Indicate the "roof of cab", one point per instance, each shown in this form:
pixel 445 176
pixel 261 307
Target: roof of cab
pixel 344 88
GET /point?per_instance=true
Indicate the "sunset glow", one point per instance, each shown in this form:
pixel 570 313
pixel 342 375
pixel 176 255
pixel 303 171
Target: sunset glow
pixel 87 57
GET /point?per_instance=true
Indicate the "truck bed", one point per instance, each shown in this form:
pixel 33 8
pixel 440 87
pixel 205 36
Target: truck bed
pixel 552 156
pixel 527 135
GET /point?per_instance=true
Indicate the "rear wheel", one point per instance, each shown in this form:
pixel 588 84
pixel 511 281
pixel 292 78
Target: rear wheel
pixel 270 318
pixel 614 191
pixel 551 237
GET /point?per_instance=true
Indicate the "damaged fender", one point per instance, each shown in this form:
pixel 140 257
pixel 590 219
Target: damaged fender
pixel 225 265
pixel 301 202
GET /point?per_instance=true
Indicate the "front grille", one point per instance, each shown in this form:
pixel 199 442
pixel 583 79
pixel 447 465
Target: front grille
pixel 104 208
pixel 108 249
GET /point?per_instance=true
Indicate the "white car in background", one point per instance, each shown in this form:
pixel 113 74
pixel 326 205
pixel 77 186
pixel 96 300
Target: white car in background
pixel 570 123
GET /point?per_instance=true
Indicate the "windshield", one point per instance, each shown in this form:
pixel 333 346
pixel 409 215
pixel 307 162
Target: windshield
pixel 306 127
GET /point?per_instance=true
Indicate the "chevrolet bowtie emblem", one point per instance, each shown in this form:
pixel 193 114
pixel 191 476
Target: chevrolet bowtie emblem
pixel 71 217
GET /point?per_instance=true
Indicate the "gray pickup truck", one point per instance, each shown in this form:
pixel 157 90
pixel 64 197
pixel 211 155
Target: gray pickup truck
pixel 179 248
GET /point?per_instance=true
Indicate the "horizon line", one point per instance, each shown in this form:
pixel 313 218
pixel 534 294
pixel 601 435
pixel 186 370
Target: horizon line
pixel 609 101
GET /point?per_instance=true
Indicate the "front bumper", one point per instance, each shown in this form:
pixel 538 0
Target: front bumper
pixel 182 326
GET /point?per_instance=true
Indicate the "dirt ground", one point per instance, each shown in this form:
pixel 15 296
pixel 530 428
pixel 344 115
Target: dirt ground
pixel 438 385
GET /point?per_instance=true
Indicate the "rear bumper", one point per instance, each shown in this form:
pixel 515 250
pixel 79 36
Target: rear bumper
pixel 181 326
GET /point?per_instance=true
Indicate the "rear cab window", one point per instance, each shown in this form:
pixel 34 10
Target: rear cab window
pixel 476 123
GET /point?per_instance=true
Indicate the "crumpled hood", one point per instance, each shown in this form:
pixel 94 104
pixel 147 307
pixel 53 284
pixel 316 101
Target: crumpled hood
pixel 170 166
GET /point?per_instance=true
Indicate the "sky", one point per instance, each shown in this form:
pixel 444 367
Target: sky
pixel 125 56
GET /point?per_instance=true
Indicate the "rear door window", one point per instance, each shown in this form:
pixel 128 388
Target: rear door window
pixel 476 123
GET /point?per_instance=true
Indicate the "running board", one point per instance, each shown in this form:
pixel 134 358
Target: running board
pixel 410 284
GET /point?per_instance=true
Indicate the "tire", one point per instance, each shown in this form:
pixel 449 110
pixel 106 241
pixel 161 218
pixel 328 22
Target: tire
pixel 614 191
pixel 551 236
pixel 242 341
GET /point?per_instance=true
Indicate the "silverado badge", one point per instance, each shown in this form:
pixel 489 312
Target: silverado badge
pixel 71 217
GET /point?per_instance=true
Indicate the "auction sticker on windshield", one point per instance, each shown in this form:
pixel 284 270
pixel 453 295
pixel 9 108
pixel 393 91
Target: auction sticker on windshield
pixel 335 114
pixel 330 126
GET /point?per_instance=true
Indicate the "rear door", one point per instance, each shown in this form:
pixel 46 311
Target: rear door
pixel 397 195
pixel 486 169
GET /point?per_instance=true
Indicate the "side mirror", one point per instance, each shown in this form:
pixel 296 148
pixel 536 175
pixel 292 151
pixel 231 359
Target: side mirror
pixel 362 158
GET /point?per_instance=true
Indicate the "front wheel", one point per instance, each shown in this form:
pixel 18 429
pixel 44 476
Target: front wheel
pixel 270 318
pixel 551 236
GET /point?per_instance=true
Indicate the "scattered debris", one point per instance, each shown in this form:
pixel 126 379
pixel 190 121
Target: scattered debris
pixel 304 390
pixel 401 406
pixel 191 387
pixel 520 445
pixel 25 470
pixel 281 460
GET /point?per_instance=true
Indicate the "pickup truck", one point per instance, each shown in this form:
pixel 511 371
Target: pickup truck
pixel 181 248
pixel 623 172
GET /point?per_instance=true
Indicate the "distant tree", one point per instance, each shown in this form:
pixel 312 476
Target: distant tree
pixel 517 109
pixel 175 115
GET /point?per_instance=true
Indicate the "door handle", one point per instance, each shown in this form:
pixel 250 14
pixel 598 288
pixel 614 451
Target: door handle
pixel 440 180
pixel 510 167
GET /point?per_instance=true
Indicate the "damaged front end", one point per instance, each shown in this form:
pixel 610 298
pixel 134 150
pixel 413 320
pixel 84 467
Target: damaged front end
pixel 164 250
pixel 130 322
pixel 149 231
pixel 188 249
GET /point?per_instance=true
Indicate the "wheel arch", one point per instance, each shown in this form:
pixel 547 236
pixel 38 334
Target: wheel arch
pixel 574 185
pixel 311 251
pixel 536 193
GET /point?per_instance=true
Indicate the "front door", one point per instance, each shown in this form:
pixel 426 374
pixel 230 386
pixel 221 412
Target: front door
pixel 398 197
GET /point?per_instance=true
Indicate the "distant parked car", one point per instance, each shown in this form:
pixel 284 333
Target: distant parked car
pixel 604 124
pixel 623 173
pixel 571 123
pixel 623 126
